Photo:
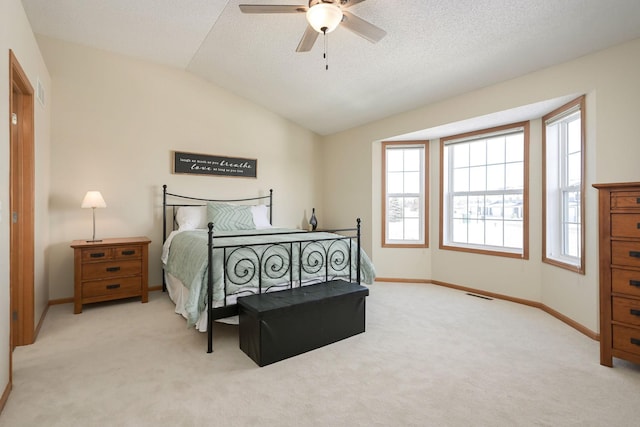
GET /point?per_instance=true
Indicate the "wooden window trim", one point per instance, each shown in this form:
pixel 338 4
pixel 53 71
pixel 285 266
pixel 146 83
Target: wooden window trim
pixel 581 101
pixel 525 194
pixel 386 144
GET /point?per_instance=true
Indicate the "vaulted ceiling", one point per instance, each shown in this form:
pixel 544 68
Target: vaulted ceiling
pixel 434 49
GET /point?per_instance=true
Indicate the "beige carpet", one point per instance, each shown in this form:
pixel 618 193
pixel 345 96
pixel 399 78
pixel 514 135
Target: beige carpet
pixel 431 356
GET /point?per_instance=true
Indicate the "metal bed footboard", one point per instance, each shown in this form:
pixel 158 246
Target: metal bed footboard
pixel 278 265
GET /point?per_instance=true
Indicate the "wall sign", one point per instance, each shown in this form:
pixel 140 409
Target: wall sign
pixel 204 164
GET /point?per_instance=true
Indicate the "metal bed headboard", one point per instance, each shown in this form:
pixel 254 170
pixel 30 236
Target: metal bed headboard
pixel 194 202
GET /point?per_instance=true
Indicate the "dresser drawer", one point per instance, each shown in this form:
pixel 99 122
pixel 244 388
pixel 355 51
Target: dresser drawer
pixel 625 281
pixel 106 270
pixel 97 254
pixel 625 225
pixel 626 339
pixel 625 253
pixel 122 285
pixel 127 252
pixel 626 310
pixel 625 199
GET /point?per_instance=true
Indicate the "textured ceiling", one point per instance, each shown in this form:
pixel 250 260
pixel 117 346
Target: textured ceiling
pixel 433 49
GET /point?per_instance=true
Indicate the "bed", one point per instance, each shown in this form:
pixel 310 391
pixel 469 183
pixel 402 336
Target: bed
pixel 216 251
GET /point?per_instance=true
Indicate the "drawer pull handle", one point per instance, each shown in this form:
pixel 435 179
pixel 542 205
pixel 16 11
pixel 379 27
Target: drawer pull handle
pixel 638 225
pixel 114 286
pixel 638 200
pixel 97 255
pixel 113 268
pixel 635 341
pixel 132 252
pixel 634 254
pixel 635 283
pixel 634 311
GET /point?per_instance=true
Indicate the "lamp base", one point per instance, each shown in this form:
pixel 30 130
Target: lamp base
pixel 94 241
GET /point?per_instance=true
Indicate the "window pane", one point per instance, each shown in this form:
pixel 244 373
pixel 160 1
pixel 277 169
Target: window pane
pixel 495 177
pixel 460 207
pixel 513 206
pixel 574 169
pixel 412 182
pixel 494 233
pixel 395 230
pixel 476 207
pixel 394 160
pixel 461 180
pixel 477 153
pixel 477 178
pixel 395 182
pixel 495 150
pixel 459 230
pixel 412 159
pixel 513 234
pixel 476 232
pixel 495 207
pixel 514 147
pixel 514 176
pixel 460 154
pixel 394 209
pixel 412 207
pixel 412 229
pixel 574 136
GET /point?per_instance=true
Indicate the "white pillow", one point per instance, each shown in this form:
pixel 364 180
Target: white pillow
pixel 191 217
pixel 261 216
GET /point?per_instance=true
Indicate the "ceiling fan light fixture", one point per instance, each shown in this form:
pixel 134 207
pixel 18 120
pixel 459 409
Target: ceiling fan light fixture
pixel 324 17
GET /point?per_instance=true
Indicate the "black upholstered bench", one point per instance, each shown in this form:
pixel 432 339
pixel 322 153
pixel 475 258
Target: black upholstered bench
pixel 278 325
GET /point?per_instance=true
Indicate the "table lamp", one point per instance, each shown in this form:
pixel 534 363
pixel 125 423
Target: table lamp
pixel 93 200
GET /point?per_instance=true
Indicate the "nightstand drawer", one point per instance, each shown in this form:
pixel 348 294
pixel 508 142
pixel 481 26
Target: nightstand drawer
pixel 106 270
pixel 625 281
pixel 127 252
pixel 122 285
pixel 626 310
pixel 626 339
pixel 97 254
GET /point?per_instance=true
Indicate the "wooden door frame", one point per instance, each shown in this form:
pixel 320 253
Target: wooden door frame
pixel 22 203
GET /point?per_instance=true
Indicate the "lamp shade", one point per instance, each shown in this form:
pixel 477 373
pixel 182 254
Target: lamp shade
pixel 93 199
pixel 324 17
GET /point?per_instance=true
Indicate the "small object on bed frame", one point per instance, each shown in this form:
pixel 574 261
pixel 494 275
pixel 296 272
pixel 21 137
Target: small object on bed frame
pixel 343 247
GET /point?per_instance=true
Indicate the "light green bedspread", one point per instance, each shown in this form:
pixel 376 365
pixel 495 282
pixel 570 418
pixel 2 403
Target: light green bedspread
pixel 270 257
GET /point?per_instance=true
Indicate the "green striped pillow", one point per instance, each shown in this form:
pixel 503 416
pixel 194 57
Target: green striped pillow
pixel 227 217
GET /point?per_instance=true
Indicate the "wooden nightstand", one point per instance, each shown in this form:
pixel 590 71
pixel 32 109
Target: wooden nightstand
pixel 110 269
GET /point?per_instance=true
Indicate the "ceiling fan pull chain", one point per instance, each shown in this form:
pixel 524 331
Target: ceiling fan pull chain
pixel 326 45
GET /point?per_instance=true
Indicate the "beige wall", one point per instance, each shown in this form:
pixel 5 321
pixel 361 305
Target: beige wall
pixel 116 121
pixel 15 34
pixel 610 81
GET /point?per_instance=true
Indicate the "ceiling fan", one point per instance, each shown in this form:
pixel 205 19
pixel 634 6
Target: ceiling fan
pixel 323 16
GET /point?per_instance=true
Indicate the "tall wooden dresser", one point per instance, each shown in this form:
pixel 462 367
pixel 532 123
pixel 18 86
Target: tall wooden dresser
pixel 619 210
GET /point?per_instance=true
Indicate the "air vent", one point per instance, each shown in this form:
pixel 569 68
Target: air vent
pixel 479 296
pixel 40 92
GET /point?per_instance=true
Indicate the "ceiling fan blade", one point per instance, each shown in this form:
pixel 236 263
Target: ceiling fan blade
pixel 272 8
pixel 362 27
pixel 308 39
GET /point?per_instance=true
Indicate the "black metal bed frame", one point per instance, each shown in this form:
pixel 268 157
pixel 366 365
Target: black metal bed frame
pixel 326 258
